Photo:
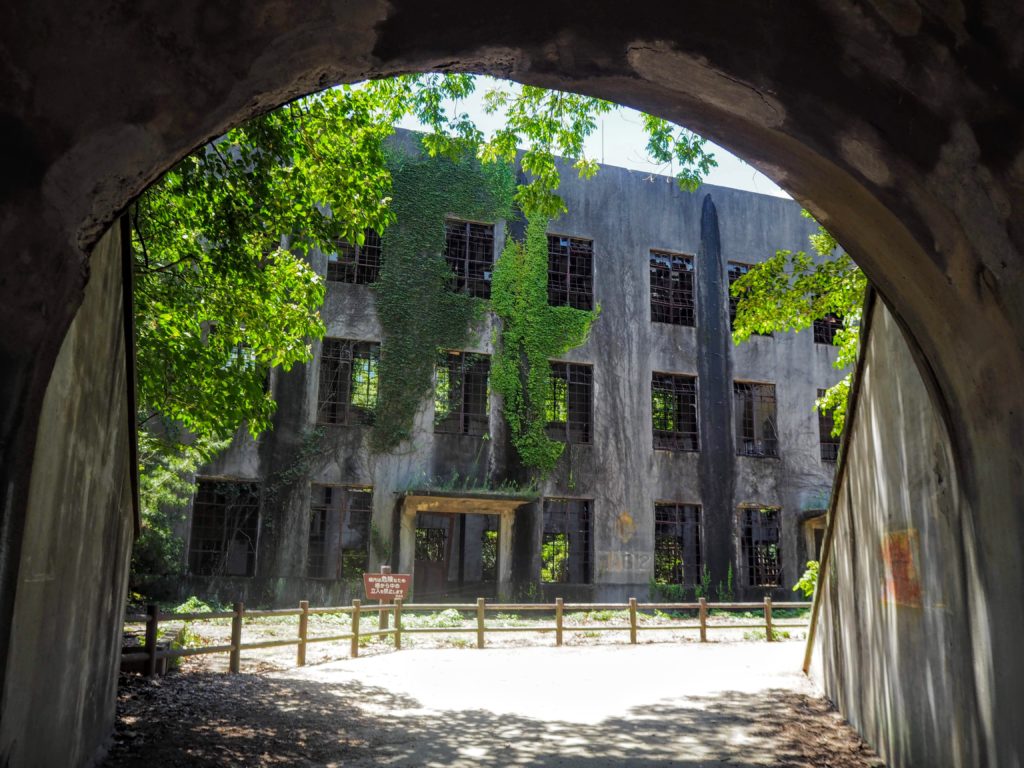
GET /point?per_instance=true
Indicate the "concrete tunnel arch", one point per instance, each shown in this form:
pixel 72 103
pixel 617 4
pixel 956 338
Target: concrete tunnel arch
pixel 899 126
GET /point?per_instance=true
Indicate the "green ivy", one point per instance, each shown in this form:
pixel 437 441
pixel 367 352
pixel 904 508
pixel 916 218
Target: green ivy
pixel 419 313
pixel 532 332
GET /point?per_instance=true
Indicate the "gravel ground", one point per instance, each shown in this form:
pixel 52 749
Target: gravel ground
pixel 719 704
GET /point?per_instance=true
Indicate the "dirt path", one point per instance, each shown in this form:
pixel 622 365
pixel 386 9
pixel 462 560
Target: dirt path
pixel 720 704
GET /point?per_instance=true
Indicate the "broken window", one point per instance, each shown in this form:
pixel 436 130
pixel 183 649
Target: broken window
pixel 354 263
pixel 570 272
pixel 565 547
pixel 736 271
pixel 825 329
pixel 461 394
pixel 225 524
pixel 469 249
pixel 339 532
pixel 756 431
pixel 674 412
pixel 829 444
pixel 677 544
pixel 569 402
pixel 672 288
pixel 348 382
pixel 760 539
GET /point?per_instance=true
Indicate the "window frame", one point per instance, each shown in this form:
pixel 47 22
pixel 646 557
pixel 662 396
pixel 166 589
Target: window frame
pixel 689 575
pixel 345 510
pixel 677 440
pixel 462 420
pixel 356 264
pixel 249 528
pixel 334 405
pixel 570 534
pixel 743 268
pixel 827 444
pixel 578 289
pixel 569 375
pixel 750 547
pixel 825 329
pixel 681 306
pixel 472 275
pixel 751 445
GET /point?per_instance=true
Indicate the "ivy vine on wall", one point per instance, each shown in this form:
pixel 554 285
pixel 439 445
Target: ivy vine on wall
pixel 419 313
pixel 532 332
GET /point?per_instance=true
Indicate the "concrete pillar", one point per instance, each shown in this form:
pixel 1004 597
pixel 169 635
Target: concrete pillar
pixel 505 526
pixel 407 542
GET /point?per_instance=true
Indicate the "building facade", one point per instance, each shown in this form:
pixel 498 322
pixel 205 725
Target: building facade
pixel 689 461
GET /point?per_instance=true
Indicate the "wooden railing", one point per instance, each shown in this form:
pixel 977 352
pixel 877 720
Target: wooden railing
pixel 151 654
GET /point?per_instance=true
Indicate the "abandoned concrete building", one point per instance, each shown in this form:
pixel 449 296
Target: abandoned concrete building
pixel 686 457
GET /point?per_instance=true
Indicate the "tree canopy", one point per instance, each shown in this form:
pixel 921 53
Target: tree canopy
pixel 792 289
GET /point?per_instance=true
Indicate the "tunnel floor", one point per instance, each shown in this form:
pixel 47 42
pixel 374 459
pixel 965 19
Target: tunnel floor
pixel 720 704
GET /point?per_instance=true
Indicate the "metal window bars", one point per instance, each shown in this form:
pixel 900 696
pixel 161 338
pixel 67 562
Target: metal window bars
pixel 469 250
pixel 674 412
pixel 348 382
pixel 339 532
pixel 677 555
pixel 672 297
pixel 354 263
pixel 225 526
pixel 569 403
pixel 570 272
pixel 756 426
pixel 761 551
pixel 736 271
pixel 461 395
pixel 825 328
pixel 566 542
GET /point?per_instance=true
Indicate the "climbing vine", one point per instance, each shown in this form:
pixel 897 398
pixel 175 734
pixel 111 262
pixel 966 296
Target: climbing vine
pixel 418 311
pixel 532 332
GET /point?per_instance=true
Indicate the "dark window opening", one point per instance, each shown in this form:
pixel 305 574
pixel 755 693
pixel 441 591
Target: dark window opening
pixel 677 544
pixel 354 263
pixel 348 382
pixel 671 288
pixel 829 444
pixel 225 524
pixel 674 412
pixel 469 249
pixel 565 547
pixel 736 271
pixel 825 329
pixel 461 394
pixel 570 272
pixel 339 532
pixel 431 544
pixel 761 552
pixel 756 430
pixel 568 403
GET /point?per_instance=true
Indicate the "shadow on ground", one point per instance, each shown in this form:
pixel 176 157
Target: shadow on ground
pixel 218 720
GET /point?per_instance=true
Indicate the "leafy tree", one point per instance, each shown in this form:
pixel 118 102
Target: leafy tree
pixel 223 287
pixel 790 290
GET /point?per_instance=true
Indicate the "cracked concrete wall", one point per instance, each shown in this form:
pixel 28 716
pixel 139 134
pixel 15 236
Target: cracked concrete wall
pixel 626 214
pixel 905 648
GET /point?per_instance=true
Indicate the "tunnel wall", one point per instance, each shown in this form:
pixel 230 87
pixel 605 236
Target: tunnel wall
pixel 58 697
pixel 895 630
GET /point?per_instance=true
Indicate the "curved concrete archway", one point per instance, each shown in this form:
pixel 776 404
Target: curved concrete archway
pixel 899 124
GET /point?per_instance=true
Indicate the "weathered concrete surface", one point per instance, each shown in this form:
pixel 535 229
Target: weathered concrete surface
pixel 57 705
pixel 906 646
pixel 897 123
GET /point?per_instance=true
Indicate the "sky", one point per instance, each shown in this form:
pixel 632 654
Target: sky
pixel 620 140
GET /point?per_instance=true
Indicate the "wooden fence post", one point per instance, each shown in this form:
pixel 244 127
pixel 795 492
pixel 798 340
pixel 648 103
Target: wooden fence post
pixel 398 623
pixel 355 627
pixel 703 620
pixel 382 616
pixel 152 617
pixel 480 622
pixel 632 621
pixel 769 635
pixel 558 621
pixel 303 632
pixel 235 662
